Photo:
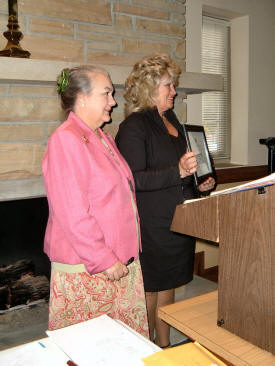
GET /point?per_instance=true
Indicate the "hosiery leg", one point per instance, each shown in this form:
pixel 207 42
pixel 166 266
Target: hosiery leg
pixel 165 297
pixel 151 304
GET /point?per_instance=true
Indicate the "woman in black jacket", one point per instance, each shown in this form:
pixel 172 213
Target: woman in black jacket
pixel 152 141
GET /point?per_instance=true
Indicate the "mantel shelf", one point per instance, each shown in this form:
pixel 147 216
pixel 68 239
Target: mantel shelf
pixel 18 70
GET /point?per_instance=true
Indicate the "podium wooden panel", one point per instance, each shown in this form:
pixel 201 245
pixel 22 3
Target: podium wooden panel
pixel 244 225
pixel 197 319
pixel 188 219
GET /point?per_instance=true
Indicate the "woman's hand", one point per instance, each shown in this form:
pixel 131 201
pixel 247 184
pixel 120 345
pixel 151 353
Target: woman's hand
pixel 117 271
pixel 207 185
pixel 187 164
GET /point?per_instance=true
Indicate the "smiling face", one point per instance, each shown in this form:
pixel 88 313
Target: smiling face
pixel 165 94
pixel 95 107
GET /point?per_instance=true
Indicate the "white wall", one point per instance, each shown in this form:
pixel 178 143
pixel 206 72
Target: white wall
pixel 253 71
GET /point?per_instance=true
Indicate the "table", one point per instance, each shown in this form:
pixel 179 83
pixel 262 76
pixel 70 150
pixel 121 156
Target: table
pixel 197 319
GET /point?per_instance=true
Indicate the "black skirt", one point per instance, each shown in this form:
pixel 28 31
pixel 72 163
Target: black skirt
pixel 167 259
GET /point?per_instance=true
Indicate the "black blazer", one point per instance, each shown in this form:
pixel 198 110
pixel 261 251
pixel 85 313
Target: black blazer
pixel 144 141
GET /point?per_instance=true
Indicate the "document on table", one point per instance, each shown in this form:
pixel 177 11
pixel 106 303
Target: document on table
pixel 37 353
pixel 102 341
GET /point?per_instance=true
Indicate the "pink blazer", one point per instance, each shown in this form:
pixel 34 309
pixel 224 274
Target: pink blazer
pixel 91 217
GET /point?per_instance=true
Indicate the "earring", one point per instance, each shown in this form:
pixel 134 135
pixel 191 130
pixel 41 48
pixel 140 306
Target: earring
pixel 82 104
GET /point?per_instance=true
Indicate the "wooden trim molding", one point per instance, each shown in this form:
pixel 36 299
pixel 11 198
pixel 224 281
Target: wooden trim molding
pixel 240 174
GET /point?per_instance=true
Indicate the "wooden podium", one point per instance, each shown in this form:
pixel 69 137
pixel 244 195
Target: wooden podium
pixel 244 225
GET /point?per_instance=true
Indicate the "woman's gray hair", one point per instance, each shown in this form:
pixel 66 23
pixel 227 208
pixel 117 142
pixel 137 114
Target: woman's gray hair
pixel 79 80
pixel 141 84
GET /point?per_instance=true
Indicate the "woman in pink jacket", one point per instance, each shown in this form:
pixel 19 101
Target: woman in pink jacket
pixel 92 236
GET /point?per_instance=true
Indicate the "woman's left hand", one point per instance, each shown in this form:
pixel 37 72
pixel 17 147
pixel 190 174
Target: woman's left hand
pixel 116 271
pixel 207 185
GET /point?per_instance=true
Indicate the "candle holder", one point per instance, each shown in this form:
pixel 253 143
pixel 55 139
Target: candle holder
pixel 13 35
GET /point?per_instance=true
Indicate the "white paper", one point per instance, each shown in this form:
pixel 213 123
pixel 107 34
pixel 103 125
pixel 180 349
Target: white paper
pixel 102 341
pixel 195 200
pixel 262 182
pixel 38 353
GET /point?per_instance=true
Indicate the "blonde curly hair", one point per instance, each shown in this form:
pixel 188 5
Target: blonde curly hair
pixel 142 83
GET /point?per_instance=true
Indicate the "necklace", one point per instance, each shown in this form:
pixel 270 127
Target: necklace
pixel 109 149
pixel 111 152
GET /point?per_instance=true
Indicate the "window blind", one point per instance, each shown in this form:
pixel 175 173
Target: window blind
pixel 216 105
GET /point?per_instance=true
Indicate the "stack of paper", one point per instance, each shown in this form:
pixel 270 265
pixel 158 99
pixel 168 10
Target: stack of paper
pixel 102 341
pixel 258 183
pixel 37 353
pixel 262 182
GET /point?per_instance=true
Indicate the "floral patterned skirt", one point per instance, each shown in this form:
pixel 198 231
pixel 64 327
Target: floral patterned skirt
pixel 76 297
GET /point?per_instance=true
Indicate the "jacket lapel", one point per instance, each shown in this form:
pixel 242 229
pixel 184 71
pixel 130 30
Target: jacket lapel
pixel 87 135
pixel 123 166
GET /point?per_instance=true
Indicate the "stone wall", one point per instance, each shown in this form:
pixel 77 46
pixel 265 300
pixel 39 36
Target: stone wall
pixel 28 115
pixel 100 31
pixel 82 31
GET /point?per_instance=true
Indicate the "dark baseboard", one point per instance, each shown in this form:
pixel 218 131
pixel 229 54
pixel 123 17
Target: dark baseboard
pixel 198 263
pixel 210 274
pixel 241 174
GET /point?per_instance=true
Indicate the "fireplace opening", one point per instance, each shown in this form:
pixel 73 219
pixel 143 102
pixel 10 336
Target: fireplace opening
pixel 22 228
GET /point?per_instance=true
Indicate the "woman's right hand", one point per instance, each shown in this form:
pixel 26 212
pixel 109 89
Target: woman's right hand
pixel 187 164
pixel 117 271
